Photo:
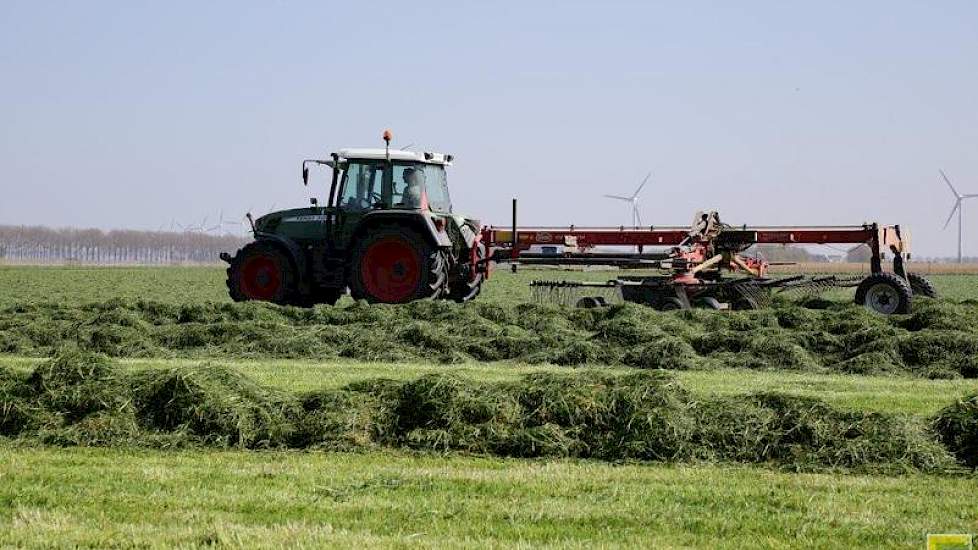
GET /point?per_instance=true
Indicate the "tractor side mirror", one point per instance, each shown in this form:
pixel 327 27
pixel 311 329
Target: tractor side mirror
pixel 305 168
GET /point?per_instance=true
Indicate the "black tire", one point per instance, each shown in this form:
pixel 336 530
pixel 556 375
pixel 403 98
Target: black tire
pixel 395 264
pixel 468 289
pixel 921 286
pixel 670 304
pixel 742 300
pixel 885 293
pixel 707 302
pixel 591 302
pixel 261 271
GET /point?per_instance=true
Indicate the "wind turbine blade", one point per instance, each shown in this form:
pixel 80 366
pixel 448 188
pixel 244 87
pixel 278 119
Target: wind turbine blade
pixel 970 196
pixel 948 182
pixel 646 180
pixel 638 216
pixel 619 197
pixel 951 215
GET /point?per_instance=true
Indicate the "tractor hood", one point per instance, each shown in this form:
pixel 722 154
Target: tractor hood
pixel 269 223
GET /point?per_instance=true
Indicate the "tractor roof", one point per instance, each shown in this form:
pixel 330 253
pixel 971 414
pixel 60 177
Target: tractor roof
pixel 396 154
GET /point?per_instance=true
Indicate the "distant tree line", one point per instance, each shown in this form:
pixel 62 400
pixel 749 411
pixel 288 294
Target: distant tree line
pixel 34 244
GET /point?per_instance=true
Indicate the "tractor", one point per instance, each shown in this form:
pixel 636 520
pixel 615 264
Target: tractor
pixel 387 234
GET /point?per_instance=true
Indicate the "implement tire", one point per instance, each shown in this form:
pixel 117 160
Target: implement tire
pixel 393 264
pixel 670 304
pixel 921 286
pixel 885 293
pixel 261 271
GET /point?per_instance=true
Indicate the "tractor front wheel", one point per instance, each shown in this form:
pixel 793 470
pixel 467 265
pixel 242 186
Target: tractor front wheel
pixel 393 264
pixel 260 271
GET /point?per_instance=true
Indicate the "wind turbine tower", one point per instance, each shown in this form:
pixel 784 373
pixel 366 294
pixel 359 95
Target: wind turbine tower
pixel 958 199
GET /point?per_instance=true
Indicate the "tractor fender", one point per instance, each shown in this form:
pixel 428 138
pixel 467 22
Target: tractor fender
pixel 291 250
pixel 419 221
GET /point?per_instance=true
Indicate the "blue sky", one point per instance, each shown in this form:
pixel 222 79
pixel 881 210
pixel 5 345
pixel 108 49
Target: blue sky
pixel 130 114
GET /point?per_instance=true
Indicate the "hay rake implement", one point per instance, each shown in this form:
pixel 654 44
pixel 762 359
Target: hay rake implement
pixel 703 265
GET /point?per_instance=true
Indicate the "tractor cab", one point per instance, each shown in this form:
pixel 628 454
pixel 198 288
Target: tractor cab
pixel 377 179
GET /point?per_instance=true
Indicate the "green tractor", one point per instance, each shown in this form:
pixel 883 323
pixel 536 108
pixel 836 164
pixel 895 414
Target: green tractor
pixel 387 233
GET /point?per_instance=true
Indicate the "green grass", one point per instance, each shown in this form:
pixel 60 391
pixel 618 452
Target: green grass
pixel 75 285
pixel 890 394
pixel 109 497
pixel 56 497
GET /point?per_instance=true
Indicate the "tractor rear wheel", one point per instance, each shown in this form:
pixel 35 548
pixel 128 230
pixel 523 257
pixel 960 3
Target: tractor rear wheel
pixel 921 286
pixel 260 271
pixel 885 293
pixel 394 264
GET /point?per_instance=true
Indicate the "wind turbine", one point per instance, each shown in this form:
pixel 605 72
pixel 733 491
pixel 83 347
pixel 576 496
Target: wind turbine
pixel 633 200
pixel 219 226
pixel 958 198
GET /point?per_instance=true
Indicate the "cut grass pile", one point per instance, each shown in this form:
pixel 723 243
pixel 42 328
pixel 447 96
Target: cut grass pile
pixel 79 398
pixel 938 340
pixel 957 426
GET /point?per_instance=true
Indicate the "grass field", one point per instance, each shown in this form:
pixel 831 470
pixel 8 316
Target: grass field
pixel 105 497
pixel 75 285
pixel 119 496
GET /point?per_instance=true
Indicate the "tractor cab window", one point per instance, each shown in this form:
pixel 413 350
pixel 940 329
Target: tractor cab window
pixel 436 186
pixel 362 186
pixel 409 182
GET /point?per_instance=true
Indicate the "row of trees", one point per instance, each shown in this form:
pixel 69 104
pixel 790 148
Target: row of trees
pixel 92 246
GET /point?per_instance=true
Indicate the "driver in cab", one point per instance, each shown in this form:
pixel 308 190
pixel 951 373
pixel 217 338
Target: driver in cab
pixel 413 181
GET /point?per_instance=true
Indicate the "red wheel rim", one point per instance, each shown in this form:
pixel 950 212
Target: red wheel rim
pixel 390 270
pixel 260 278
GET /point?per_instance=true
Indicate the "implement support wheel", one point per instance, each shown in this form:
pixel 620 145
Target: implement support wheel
pixel 885 293
pixel 921 286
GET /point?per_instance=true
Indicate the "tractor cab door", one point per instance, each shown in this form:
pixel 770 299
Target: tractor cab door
pixel 362 188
